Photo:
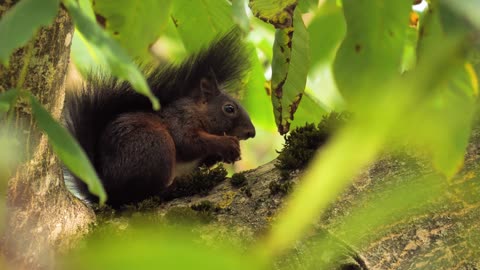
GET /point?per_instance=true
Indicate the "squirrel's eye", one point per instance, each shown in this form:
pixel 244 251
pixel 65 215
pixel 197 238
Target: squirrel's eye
pixel 228 108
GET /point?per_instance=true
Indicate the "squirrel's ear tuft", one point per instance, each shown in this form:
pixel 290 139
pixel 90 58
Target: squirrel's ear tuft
pixel 209 88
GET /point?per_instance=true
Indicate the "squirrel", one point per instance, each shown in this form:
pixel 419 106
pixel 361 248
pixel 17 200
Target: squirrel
pixel 136 151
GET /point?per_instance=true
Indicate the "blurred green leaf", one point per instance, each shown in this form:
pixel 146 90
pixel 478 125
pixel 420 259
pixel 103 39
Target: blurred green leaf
pixel 105 50
pixel 240 16
pixel 454 22
pixel 362 139
pixel 19 24
pixel 67 149
pixel 310 111
pixel 409 58
pixel 290 66
pixel 469 8
pixel 83 56
pixel 443 123
pixel 256 100
pixel 156 248
pixel 10 156
pixel 306 6
pixel 377 213
pixel 6 99
pixel 212 17
pixel 430 31
pixel 326 31
pixel 137 29
pixel 9 160
pixel 373 46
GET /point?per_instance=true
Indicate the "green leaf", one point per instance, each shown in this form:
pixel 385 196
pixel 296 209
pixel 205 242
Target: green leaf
pixel 67 149
pixel 358 144
pixel 455 107
pixel 240 15
pixel 469 8
pixel 158 248
pixel 409 58
pixel 104 50
pixel 82 54
pixel 276 12
pixel 450 107
pixel 83 57
pixel 256 99
pixel 326 31
pixel 430 31
pixel 306 6
pixel 136 25
pixel 212 17
pixel 449 110
pixel 290 66
pixel 309 111
pixel 6 99
pixel 373 47
pixel 19 24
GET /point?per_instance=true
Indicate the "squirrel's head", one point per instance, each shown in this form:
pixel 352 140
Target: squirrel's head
pixel 225 114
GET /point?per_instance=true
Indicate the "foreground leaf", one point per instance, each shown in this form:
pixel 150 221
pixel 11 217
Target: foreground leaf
pixel 256 98
pixel 158 248
pixel 19 24
pixel 373 47
pixel 67 149
pixel 212 17
pixel 449 107
pixel 6 99
pixel 137 29
pixel 358 144
pixel 469 8
pixel 105 50
pixel 326 31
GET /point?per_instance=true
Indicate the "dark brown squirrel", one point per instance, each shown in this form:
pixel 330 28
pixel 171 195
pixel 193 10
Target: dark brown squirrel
pixel 137 151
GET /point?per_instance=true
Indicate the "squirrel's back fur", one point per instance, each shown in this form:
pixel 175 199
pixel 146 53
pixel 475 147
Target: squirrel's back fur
pixel 101 99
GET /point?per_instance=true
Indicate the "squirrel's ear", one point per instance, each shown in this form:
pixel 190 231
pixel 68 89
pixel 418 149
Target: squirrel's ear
pixel 209 88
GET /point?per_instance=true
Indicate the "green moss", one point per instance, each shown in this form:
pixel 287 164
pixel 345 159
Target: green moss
pixel 302 143
pixel 238 180
pixel 280 187
pixel 186 215
pixel 204 206
pixel 146 205
pixel 200 181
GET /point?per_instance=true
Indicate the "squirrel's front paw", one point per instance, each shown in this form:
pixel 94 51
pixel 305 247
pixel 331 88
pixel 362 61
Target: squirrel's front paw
pixel 231 151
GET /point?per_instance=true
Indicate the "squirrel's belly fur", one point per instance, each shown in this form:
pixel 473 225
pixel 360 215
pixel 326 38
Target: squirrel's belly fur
pixel 137 152
pixel 183 168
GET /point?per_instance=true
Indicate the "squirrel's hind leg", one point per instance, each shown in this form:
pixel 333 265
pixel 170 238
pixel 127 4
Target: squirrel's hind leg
pixel 136 158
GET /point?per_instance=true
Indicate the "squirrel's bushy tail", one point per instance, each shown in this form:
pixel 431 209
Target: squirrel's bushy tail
pixel 226 59
pixel 88 111
pixel 101 99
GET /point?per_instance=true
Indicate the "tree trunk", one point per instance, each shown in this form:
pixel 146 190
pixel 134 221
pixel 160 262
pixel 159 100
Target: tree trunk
pixel 42 215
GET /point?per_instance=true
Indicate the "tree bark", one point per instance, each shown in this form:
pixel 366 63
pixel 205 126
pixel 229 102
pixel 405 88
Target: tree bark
pixel 42 215
pixel 444 234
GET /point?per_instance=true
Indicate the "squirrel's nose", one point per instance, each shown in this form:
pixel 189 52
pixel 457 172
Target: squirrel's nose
pixel 250 133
